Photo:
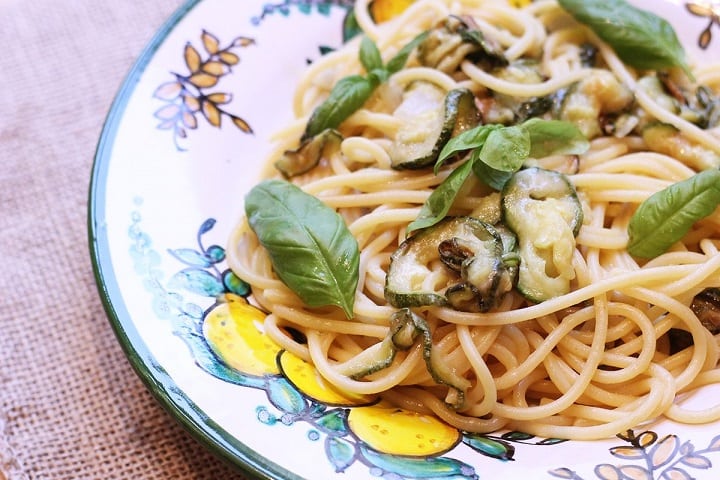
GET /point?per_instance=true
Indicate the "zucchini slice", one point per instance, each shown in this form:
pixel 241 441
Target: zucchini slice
pixel 485 270
pixel 455 39
pixel 405 329
pixel 509 109
pixel 586 102
pixel 430 118
pixel 666 139
pixel 474 252
pixel 439 371
pixel 700 105
pixel 543 209
pixel 308 154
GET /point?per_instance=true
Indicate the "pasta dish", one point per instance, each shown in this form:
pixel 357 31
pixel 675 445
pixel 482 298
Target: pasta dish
pixel 503 216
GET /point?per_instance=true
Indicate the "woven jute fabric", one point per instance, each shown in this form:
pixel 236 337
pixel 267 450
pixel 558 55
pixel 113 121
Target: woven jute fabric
pixel 71 406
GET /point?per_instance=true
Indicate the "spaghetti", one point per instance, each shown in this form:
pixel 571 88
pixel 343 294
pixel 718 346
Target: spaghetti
pixel 587 364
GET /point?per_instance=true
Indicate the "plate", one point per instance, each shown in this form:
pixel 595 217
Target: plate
pixel 181 145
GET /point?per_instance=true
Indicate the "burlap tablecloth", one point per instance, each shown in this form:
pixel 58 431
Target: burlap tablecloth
pixel 70 405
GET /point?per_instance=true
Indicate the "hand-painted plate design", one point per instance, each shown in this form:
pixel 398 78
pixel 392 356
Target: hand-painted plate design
pixel 182 143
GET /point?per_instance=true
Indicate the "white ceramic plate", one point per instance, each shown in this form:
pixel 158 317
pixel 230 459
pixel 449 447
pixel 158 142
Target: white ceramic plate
pixel 167 188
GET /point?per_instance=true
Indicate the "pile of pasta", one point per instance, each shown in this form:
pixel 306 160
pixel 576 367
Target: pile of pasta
pixel 584 365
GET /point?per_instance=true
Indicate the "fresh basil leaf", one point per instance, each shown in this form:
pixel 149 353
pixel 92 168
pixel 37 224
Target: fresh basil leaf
pixel 639 37
pixel 467 140
pixel 441 199
pixel 553 137
pixel 506 149
pixel 311 248
pixel 378 75
pixel 398 62
pixel 491 177
pixel 346 97
pixel 666 216
pixel 370 57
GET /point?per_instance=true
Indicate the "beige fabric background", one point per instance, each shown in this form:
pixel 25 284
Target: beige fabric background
pixel 70 405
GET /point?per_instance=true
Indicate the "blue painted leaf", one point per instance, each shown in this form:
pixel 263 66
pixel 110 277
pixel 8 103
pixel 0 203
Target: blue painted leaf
pixel 687 448
pixel 635 472
pixel 164 307
pixel 193 311
pixel 340 452
pixel 697 461
pixel 197 281
pixel 663 451
pixel 714 444
pixel 676 473
pixel 184 324
pixel 206 226
pixel 427 468
pixel 333 421
pixel 628 453
pixel 517 436
pixel 605 471
pixel 235 284
pixel 284 396
pixel 490 447
pixel 152 285
pixel 190 257
pixel 563 473
pixel 144 260
pixel 215 253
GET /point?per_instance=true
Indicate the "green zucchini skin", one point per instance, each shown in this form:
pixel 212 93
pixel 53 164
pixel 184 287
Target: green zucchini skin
pixel 542 208
pixel 666 139
pixel 430 120
pixel 308 155
pixel 456 39
pixel 475 254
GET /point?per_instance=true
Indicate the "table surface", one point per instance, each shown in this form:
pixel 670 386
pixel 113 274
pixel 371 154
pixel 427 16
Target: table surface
pixel 71 406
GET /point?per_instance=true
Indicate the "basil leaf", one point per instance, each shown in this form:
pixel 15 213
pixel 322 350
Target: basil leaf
pixel 310 247
pixel 666 216
pixel 491 177
pixel 506 149
pixel 398 62
pixel 347 96
pixel 467 140
pixel 639 37
pixel 370 57
pixel 441 199
pixel 378 76
pixel 350 93
pixel 551 137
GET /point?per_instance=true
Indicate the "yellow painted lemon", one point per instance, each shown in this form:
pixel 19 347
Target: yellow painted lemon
pixel 308 380
pixel 402 432
pixel 233 329
pixel 382 10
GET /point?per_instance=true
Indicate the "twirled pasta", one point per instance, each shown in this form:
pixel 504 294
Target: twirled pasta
pixel 584 365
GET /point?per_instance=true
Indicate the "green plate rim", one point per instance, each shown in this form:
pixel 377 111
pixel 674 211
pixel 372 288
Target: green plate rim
pixel 191 417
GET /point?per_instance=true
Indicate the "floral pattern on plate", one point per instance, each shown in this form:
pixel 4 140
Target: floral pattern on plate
pixel 180 312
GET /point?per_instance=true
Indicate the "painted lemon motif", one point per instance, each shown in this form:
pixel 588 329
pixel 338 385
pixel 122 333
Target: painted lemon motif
pixel 382 10
pixel 305 377
pixel 233 329
pixel 402 432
